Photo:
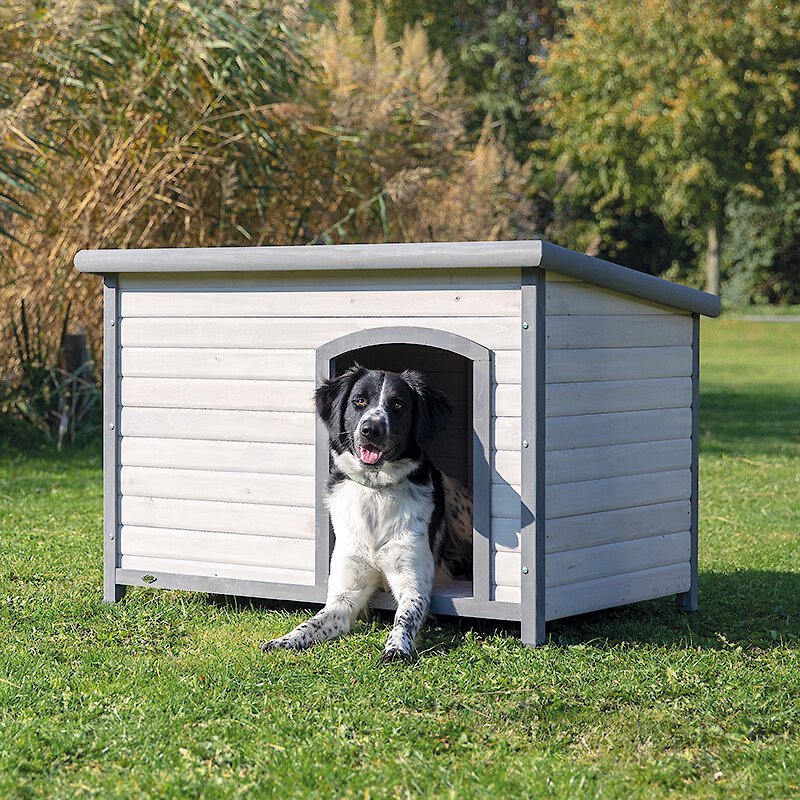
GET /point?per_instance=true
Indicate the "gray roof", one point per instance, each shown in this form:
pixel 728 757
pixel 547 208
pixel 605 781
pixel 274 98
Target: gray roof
pixel 433 255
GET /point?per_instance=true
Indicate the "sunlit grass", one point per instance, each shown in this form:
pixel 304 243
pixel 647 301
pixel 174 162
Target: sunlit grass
pixel 167 695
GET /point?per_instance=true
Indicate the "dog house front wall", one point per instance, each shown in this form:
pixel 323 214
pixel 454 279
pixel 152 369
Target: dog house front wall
pixel 217 373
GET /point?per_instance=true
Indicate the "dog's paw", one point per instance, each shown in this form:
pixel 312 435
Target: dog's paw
pixel 284 643
pixel 393 654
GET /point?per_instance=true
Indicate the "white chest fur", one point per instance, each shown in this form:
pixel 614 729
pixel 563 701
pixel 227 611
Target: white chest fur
pixel 365 520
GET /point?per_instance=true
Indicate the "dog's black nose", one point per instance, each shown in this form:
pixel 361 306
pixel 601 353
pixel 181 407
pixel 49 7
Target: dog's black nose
pixel 371 428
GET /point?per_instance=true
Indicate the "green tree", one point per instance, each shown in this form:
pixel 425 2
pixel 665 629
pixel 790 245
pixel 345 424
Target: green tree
pixel 678 107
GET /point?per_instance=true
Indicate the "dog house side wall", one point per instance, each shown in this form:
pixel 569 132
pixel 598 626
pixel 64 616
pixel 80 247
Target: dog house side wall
pixel 217 372
pixel 620 495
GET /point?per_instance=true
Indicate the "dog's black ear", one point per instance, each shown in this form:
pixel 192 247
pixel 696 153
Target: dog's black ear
pixel 433 407
pixel 331 397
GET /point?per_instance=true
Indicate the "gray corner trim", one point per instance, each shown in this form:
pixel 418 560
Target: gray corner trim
pixel 481 358
pixel 112 591
pixel 532 530
pixel 630 281
pixel 429 255
pixel 688 601
pixel 217 585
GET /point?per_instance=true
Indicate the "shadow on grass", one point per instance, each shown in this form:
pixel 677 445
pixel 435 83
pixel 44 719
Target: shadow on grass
pixel 750 422
pixel 746 608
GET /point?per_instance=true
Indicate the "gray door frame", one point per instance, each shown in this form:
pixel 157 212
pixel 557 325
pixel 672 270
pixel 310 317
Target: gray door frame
pixel 481 357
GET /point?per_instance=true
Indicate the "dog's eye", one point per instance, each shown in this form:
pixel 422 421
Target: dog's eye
pixel 397 405
pixel 359 402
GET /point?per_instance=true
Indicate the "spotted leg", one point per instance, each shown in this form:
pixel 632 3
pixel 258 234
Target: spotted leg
pixel 351 584
pixel 410 581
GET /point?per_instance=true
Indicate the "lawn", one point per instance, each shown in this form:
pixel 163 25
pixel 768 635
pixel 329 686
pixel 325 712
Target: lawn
pixel 167 694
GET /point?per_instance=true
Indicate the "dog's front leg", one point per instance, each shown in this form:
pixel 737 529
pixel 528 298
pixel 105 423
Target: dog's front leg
pixel 352 582
pixel 410 578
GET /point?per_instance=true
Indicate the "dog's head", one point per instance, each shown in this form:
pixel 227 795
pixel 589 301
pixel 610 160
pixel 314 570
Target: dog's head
pixel 381 416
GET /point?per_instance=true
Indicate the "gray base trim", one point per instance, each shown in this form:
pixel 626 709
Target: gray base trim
pixel 231 586
pixel 440 604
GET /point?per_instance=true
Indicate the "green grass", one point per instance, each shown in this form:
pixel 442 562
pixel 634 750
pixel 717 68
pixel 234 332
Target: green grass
pixel 167 695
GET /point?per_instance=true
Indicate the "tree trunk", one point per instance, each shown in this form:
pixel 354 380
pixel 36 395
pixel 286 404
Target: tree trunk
pixel 714 250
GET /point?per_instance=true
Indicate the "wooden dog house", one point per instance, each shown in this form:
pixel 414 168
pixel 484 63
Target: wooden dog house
pixel 575 384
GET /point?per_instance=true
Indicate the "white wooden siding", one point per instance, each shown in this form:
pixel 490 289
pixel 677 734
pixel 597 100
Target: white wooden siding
pixel 272 458
pixel 217 423
pixel 618 452
pixel 301 334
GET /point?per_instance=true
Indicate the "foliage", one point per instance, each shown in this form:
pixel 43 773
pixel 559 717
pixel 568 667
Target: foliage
pixel 166 694
pixel 45 391
pixel 491 47
pixel 763 254
pixel 676 107
pixel 206 124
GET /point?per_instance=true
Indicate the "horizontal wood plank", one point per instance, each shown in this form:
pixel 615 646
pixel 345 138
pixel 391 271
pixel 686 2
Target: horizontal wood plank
pixel 507 433
pixel 615 363
pixel 591 463
pixel 604 397
pixel 617 330
pixel 207 515
pixel 507 367
pixel 577 566
pixel 606 527
pixel 221 548
pixel 506 502
pixel 234 487
pixel 238 426
pixel 206 362
pixel 496 333
pixel 241 395
pixel 581 299
pixel 507 468
pixel 321 280
pixel 588 497
pixel 269 458
pixel 344 302
pixel 148 564
pixel 595 430
pixel 631 587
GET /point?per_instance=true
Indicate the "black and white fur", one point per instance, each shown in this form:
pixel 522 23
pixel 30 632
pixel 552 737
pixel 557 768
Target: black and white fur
pixel 396 517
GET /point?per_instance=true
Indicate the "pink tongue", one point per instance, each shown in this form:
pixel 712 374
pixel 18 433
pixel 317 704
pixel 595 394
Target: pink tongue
pixel 369 455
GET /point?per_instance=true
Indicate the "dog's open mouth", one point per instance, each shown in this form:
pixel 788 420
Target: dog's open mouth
pixel 369 454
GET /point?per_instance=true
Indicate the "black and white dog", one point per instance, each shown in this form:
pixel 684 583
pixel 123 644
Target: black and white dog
pixel 396 517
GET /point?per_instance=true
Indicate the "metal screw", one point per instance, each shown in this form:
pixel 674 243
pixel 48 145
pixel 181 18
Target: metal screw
pixel 111 535
pixel 524 570
pixel 111 426
pixel 111 323
pixel 525 326
pixel 525 443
